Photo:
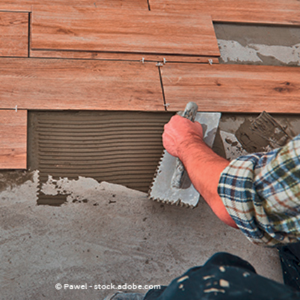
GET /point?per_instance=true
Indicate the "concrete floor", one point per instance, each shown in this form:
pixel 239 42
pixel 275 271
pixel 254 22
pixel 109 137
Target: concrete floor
pixel 116 235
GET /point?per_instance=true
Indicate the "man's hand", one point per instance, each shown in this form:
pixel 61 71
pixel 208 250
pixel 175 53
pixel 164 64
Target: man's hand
pixel 184 139
pixel 180 133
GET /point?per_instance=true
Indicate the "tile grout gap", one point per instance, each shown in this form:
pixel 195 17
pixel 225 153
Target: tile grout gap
pixel 162 88
pixel 29 32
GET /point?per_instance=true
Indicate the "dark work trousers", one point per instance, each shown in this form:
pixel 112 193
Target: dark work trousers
pixel 290 263
pixel 224 276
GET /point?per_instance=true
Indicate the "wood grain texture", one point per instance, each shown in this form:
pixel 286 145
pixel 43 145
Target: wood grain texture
pixel 232 88
pixel 285 12
pixel 79 84
pixel 16 5
pixel 105 30
pixel 14 34
pixel 13 139
pixel 26 5
pixel 121 56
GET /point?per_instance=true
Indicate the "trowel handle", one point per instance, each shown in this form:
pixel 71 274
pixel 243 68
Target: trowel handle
pixel 190 113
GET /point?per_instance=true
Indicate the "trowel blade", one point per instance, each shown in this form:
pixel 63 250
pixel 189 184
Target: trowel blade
pixel 161 189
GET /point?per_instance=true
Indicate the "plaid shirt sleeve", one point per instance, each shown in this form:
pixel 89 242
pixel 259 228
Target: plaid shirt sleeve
pixel 261 192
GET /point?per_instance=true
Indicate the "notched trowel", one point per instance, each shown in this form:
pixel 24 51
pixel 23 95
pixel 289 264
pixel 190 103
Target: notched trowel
pixel 171 183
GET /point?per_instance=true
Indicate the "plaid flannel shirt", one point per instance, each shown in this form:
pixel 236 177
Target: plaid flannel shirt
pixel 261 192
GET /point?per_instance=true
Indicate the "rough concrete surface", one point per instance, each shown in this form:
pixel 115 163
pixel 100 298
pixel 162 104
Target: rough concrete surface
pixel 116 236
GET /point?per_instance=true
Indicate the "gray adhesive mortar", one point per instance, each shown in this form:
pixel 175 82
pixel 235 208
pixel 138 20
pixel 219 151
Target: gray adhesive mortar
pixel 258 44
pixel 262 134
pixel 119 147
pixel 226 143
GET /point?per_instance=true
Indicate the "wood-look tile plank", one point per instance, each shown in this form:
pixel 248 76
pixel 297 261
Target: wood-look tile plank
pixel 16 5
pixel 26 5
pixel 122 56
pixel 141 32
pixel 79 84
pixel 13 139
pixel 232 88
pixel 14 34
pixel 285 12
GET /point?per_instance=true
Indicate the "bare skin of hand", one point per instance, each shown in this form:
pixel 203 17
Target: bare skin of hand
pixel 184 139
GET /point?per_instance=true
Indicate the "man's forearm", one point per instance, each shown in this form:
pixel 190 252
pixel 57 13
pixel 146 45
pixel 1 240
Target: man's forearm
pixel 184 139
pixel 204 168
